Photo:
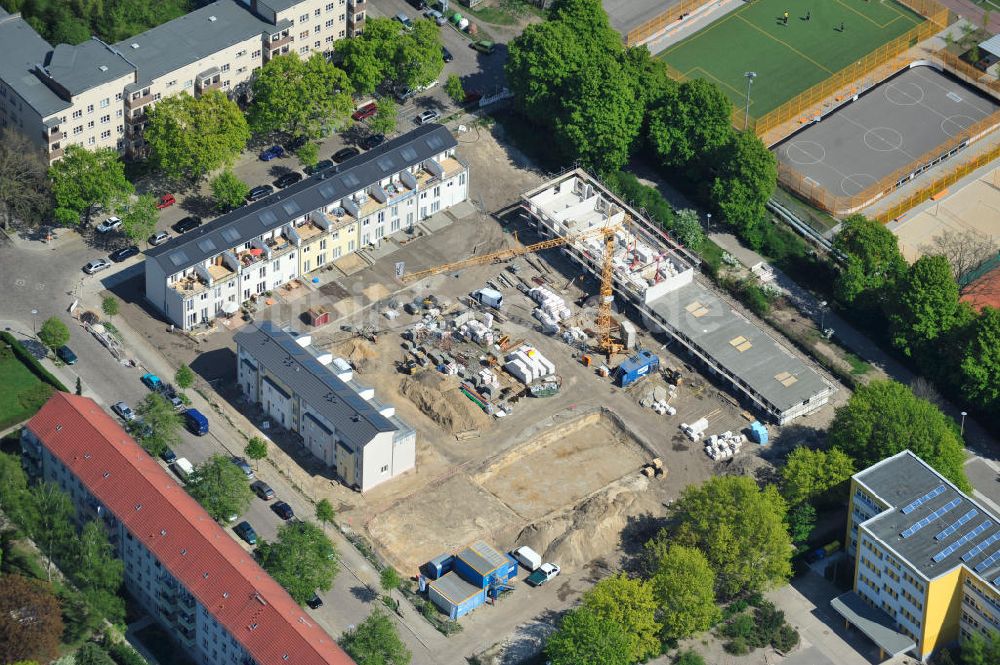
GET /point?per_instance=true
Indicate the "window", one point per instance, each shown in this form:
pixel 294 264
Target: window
pixel 90 108
pixel 188 84
pixel 316 12
pixel 322 244
pixel 77 114
pixel 225 67
pixel 329 23
pixel 329 7
pixel 240 54
pixel 329 39
pixel 316 30
pixel 461 178
pixel 118 113
pixel 171 84
pixel 118 97
pixel 106 134
pixel 384 469
pixel 78 129
pixel 303 50
pixel 304 34
pixel 120 128
pixel 437 191
pixel 105 119
pixel 316 44
pixel 303 18
pixel 341 33
pixel 241 70
pixel 106 102
pixel 343 16
pixel 255 54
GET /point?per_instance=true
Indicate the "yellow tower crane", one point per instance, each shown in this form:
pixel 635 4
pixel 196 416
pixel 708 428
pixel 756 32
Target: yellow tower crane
pixel 605 341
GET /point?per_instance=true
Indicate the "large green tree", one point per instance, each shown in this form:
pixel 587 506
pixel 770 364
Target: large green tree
pixel 746 175
pixel 139 217
pixel 629 604
pixel 384 120
pixel 300 97
pixel 61 22
pixel 91 654
pixel 15 499
pixel 25 189
pixel 883 418
pixel 871 259
pixel 684 588
pixel 741 530
pixel 160 427
pixel 228 191
pixel 302 559
pixel 188 136
pixel 220 487
pixel 53 333
pixel 50 521
pixel 977 650
pixel 690 123
pixel 980 368
pixel 83 178
pixel 368 58
pixel 584 638
pixel 924 306
pixel 375 642
pixel 809 473
pixel 37 639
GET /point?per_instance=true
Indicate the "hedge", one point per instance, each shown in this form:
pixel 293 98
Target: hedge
pixel 31 362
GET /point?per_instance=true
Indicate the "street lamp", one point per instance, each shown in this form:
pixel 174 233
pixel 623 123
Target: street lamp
pixel 34 330
pixel 746 118
pixel 962 433
pixel 822 315
pixel 709 222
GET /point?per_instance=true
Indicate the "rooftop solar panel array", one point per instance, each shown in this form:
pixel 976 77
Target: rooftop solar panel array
pixel 988 561
pixel 936 515
pixel 978 549
pixel 943 554
pixel 937 491
pixel 956 524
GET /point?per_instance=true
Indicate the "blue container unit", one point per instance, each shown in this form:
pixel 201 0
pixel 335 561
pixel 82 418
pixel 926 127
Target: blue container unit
pixel 438 566
pixel 482 566
pixel 758 433
pixel 455 596
pixel 642 363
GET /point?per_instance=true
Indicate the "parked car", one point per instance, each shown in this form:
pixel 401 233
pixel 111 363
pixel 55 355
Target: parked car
pixel 96 265
pixel 365 112
pixel 259 192
pixel 544 573
pixel 151 381
pixel 187 224
pixel 372 141
pixel 262 489
pixel 171 395
pixel 404 94
pixel 426 117
pixel 288 179
pixel 296 143
pixel 417 4
pixel 196 422
pixel 168 456
pixel 446 54
pixel 120 255
pixel 246 532
pixel 283 510
pixel 484 46
pixel 124 410
pixel 244 466
pixel 108 225
pixel 165 201
pixel 159 238
pixel 344 154
pixel 435 16
pixel 405 20
pixel 528 558
pixel 274 152
pixel 65 354
pixel 315 602
pixel 183 468
pixel 320 165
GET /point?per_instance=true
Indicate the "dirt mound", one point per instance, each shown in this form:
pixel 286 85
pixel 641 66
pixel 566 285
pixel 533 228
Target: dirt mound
pixel 751 466
pixel 358 351
pixel 441 401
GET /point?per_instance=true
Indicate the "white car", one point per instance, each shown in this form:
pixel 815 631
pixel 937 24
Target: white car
pixel 159 238
pixel 108 225
pixel 426 117
pixel 96 266
pixel 124 410
pixel 544 573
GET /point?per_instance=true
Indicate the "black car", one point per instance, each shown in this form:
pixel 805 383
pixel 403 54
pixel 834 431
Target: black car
pixel 283 510
pixel 372 141
pixel 257 193
pixel 446 54
pixel 66 355
pixel 320 165
pixel 168 456
pixel 417 4
pixel 288 179
pixel 187 224
pixel 344 154
pixel 120 255
pixel 315 602
pixel 296 143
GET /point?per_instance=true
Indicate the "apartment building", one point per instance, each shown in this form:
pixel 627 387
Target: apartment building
pixel 927 559
pixel 96 95
pixel 202 586
pixel 315 395
pixel 213 270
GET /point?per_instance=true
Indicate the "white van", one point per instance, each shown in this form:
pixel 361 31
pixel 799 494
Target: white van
pixel 527 557
pixel 183 468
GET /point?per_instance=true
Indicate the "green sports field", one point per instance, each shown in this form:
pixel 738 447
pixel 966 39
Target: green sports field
pixel 787 58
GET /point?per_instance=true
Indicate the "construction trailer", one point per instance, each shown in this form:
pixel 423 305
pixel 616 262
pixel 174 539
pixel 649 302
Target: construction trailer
pixel 478 572
pixel 643 363
pixel 455 596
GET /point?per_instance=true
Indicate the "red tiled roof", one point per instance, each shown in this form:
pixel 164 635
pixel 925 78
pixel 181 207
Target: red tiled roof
pixel 254 608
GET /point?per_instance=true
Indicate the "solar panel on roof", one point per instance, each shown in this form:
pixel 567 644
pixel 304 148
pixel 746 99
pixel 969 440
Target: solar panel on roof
pixel 231 235
pixel 434 142
pixel 327 191
pixel 956 524
pixel 206 245
pixel 291 207
pixel 940 556
pixel 350 180
pixel 267 217
pixel 996 581
pixel 978 549
pixel 385 163
pixel 408 153
pixel 988 561
pixel 178 257
pixel 937 491
pixel 931 518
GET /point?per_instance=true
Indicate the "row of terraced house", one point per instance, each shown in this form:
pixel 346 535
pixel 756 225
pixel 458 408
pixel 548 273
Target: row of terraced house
pixel 96 94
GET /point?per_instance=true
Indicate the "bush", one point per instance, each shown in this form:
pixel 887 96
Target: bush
pixel 786 639
pixel 741 626
pixel 689 658
pixel 737 646
pixel 123 654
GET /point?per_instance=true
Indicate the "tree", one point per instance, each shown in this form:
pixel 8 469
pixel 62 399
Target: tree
pixel 741 530
pixel 91 654
pixel 83 178
pixel 25 189
pixel 872 257
pixel 110 306
pixel 746 177
pixel 418 59
pixel 79 386
pixel 220 487
pixel 94 565
pixel 810 473
pixel 256 450
pixel 53 333
pixel 123 654
pixel 324 512
pixel 139 217
pixel 308 154
pixel 15 500
pixel 684 588
pixel 629 604
pixel 300 97
pixel 228 191
pixel 977 650
pixel 980 368
pixel 924 305
pixel 690 123
pixel 801 520
pixel 966 251
pixel 184 377
pixel 302 559
pixel 453 86
pixel 188 136
pixel 389 580
pixel 583 638
pixel 161 424
pixel 883 418
pixel 687 227
pixel 30 620
pixel 384 120
pixel 50 521
pixel 375 642
pixel 368 59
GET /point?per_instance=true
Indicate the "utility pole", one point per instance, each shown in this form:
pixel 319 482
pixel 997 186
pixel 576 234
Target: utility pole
pixel 746 118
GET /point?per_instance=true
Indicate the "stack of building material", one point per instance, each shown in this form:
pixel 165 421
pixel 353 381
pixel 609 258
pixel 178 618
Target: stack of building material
pixel 527 364
pixel 574 336
pixel 488 378
pixel 724 446
pixel 550 303
pixel 695 430
pixel 476 331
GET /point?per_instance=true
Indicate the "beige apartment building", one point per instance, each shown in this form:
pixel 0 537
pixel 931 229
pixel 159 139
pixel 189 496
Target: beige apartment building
pixel 96 95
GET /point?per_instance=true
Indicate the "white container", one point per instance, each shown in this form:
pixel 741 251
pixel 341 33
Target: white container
pixel 527 557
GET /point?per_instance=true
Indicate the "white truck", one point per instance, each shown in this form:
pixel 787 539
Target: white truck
pixel 183 468
pixel 489 297
pixel 528 558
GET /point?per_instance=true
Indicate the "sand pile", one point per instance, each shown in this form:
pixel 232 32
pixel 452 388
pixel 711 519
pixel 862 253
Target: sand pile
pixel 358 351
pixel 440 400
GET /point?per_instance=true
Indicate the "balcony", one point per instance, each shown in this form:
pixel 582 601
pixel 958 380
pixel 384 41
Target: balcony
pixel 136 103
pixel 191 285
pixel 204 87
pixel 308 231
pixel 54 136
pixel 451 166
pixel 278 43
pixel 55 153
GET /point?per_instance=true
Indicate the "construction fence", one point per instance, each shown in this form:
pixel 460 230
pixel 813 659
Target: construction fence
pixel 659 22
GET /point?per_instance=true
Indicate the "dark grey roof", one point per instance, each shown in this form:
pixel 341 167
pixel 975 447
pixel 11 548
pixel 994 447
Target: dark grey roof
pixel 303 197
pixel 873 622
pixel 482 558
pixel 454 588
pixel 190 38
pixel 931 524
pixel 713 325
pixel 280 5
pixel 357 421
pixel 84 66
pixel 22 49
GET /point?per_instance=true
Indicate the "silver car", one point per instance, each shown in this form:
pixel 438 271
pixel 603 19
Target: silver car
pixel 96 266
pixel 124 410
pixel 426 117
pixel 435 16
pixel 108 225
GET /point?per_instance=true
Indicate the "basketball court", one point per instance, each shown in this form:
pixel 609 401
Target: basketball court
pixel 920 114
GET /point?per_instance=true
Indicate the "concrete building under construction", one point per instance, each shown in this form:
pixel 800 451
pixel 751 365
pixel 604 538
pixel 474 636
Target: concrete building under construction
pixel 656 276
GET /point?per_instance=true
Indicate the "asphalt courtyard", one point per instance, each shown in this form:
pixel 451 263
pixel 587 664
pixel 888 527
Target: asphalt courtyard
pixel 893 125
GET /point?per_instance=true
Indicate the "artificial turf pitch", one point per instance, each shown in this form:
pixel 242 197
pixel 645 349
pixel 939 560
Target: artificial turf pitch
pixel 787 58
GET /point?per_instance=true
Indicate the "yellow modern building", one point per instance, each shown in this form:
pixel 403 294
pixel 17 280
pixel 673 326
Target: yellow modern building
pixel 927 559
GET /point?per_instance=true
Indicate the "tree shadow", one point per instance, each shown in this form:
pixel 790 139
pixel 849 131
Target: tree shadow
pixel 364 593
pixel 638 530
pixel 789 438
pixel 201 205
pixel 278 170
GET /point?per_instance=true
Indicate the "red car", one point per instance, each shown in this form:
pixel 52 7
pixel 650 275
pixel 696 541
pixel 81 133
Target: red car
pixel 366 111
pixel 165 201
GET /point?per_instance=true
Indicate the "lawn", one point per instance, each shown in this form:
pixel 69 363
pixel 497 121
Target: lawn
pixel 21 392
pixel 788 59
